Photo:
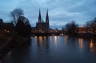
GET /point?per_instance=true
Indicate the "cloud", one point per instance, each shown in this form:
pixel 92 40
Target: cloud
pixel 60 11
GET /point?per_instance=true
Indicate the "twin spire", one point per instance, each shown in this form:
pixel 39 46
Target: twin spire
pixel 40 18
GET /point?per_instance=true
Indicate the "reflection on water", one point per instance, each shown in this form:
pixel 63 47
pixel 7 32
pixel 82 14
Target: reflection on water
pixel 91 45
pixel 42 41
pixel 65 39
pixel 55 40
pixel 80 40
pixel 56 49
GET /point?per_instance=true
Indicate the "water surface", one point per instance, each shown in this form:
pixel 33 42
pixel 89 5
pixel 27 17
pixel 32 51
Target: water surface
pixel 55 49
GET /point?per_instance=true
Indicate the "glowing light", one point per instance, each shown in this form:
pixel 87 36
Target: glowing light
pixel 40 41
pixel 55 40
pixel 55 37
pixel 35 36
pixel 40 38
pixel 80 42
pixel 91 44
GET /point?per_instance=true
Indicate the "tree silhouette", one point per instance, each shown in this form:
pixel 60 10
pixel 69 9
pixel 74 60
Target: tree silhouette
pixel 71 28
pixel 23 26
pixel 1 23
pixel 16 13
pixel 91 26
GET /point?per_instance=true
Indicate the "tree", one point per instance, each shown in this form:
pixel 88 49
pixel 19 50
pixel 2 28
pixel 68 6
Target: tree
pixel 1 23
pixel 16 13
pixel 23 26
pixel 91 26
pixel 71 28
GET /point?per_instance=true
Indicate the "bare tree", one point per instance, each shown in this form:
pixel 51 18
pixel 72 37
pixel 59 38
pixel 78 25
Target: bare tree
pixel 16 13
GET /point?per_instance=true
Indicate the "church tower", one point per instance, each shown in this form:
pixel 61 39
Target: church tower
pixel 39 17
pixel 43 25
pixel 47 19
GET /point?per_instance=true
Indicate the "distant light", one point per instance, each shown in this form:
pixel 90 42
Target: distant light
pixel 91 44
pixel 80 42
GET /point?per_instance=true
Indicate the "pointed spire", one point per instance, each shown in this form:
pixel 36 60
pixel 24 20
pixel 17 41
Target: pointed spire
pixel 39 17
pixel 47 17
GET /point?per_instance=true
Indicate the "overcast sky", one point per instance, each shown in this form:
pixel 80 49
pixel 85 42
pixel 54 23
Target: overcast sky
pixel 60 11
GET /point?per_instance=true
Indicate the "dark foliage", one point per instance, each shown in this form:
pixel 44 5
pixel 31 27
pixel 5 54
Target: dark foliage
pixel 91 26
pixel 23 26
pixel 16 13
pixel 71 28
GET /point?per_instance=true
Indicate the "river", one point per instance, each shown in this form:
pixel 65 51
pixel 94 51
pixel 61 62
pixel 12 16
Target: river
pixel 55 49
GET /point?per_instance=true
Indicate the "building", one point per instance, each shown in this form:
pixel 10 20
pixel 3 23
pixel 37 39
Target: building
pixel 6 27
pixel 82 30
pixel 41 25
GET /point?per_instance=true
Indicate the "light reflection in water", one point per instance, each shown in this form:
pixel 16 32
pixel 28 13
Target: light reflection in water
pixel 65 39
pixel 91 45
pixel 42 42
pixel 39 41
pixel 80 40
pixel 55 40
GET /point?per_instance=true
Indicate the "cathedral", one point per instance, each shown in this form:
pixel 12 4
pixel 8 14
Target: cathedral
pixel 43 25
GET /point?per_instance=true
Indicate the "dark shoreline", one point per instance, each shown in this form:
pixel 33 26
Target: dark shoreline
pixel 14 42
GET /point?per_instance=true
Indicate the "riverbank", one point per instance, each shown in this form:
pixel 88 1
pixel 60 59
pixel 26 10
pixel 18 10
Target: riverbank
pixel 9 41
pixel 83 35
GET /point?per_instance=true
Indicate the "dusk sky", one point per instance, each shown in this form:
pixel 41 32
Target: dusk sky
pixel 60 11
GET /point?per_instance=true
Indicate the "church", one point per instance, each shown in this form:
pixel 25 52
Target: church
pixel 42 25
